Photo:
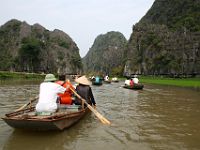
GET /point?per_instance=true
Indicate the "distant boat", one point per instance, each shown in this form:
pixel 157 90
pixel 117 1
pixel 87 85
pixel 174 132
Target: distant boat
pixel 138 86
pixel 115 79
pixel 97 81
pixel 27 119
pixel 107 81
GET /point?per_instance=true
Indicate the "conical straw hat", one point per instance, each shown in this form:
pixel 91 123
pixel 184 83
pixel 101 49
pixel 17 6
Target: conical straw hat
pixel 83 80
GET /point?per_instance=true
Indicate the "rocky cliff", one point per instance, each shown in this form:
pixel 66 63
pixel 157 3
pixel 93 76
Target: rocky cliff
pixel 166 40
pixel 35 49
pixel 106 54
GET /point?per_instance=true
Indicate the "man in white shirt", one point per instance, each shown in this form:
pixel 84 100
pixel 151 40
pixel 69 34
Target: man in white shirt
pixel 48 94
pixel 135 79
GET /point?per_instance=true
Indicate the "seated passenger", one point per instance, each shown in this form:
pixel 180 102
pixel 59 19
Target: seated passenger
pixel 135 79
pixel 127 82
pixel 131 82
pixel 67 97
pixel 48 94
pixel 84 90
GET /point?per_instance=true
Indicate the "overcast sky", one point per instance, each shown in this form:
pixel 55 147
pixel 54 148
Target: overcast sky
pixel 82 20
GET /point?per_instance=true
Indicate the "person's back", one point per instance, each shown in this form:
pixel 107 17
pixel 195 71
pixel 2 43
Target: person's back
pixel 48 94
pixel 131 82
pixel 85 91
pixel 135 80
pixel 97 79
pixel 106 78
pixel 127 82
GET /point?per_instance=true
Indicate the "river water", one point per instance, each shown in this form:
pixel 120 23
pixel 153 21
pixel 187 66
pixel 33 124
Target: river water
pixel 155 118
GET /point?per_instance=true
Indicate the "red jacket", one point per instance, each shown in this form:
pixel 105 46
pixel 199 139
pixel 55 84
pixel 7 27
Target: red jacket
pixel 66 98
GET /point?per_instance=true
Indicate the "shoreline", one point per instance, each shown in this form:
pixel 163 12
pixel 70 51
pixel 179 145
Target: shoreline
pixel 6 75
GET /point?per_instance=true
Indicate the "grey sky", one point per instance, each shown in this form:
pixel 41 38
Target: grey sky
pixel 82 20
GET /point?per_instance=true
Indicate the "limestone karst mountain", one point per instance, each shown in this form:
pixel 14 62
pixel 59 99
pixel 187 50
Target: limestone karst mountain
pixel 166 40
pixel 106 53
pixel 32 48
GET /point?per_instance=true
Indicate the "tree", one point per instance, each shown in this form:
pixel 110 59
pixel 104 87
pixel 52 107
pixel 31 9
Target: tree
pixel 29 54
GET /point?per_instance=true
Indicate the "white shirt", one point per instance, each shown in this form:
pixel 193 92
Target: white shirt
pixel 127 82
pixel 48 96
pixel 106 78
pixel 135 80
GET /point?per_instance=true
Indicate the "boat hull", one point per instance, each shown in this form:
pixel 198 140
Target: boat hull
pixel 58 121
pixel 135 87
pixel 107 81
pixel 96 83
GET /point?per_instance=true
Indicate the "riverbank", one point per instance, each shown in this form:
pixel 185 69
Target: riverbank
pixel 185 82
pixel 20 75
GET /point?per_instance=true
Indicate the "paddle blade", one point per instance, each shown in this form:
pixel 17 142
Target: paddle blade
pixel 101 118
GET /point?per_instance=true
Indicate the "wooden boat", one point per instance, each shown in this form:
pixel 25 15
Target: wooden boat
pixel 115 79
pixel 27 119
pixel 107 81
pixel 97 81
pixel 134 87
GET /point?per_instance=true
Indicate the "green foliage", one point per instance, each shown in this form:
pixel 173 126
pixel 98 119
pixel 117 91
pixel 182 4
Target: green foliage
pixel 63 44
pixel 75 60
pixel 6 61
pixel 176 14
pixel 19 75
pixel 117 71
pixel 29 54
pixel 60 55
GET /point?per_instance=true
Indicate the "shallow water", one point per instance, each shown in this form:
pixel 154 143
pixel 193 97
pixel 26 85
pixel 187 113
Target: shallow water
pixel 157 117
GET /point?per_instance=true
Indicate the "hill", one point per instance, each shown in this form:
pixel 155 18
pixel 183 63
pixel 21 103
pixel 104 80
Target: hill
pixel 166 40
pixel 32 48
pixel 106 54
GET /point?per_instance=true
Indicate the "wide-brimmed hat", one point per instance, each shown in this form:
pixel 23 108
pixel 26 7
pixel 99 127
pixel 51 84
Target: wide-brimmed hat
pixel 49 78
pixel 83 80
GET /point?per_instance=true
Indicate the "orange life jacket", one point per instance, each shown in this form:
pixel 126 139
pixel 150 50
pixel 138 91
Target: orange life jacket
pixel 66 98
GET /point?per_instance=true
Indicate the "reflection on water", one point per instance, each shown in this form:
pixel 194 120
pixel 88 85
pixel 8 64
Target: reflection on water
pixel 156 117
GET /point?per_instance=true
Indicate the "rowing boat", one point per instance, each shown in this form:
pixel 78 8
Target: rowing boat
pixel 138 86
pixel 29 119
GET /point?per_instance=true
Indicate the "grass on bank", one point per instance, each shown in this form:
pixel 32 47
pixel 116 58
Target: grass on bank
pixel 185 82
pixel 19 75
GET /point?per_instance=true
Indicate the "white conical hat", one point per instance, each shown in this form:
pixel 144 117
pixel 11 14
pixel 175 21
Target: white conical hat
pixel 83 80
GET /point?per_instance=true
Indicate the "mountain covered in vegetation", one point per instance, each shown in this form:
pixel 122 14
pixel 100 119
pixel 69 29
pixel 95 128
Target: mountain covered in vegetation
pixel 166 40
pixel 27 48
pixel 106 54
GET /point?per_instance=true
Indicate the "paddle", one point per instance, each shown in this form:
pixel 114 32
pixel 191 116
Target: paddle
pixel 101 118
pixel 27 104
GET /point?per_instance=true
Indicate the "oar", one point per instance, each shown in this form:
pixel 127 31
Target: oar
pixel 27 104
pixel 101 118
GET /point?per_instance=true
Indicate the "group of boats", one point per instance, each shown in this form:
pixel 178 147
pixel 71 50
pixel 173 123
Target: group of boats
pixel 99 81
pixel 65 117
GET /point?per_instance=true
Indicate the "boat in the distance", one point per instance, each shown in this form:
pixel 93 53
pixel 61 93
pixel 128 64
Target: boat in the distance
pixel 115 79
pixel 97 81
pixel 138 86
